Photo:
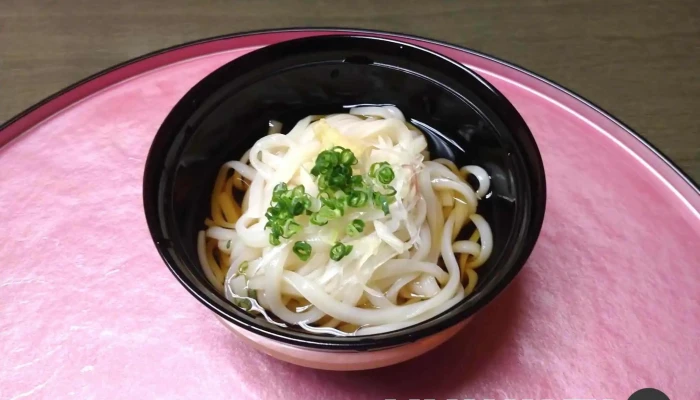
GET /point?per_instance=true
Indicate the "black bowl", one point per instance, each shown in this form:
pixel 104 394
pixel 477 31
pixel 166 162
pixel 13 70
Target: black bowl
pixel 465 119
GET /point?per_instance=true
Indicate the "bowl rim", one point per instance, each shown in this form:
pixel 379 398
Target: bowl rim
pixel 494 100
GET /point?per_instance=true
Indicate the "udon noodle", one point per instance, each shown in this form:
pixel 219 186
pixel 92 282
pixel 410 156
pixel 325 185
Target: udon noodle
pixel 345 226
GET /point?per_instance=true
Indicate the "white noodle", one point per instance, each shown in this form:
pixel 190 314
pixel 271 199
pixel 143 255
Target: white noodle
pixel 245 170
pixel 395 254
pixel 481 175
pixel 466 246
pixel 387 112
pixel 219 233
pixel 486 240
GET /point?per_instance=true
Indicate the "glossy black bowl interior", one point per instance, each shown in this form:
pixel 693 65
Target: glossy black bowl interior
pixel 464 117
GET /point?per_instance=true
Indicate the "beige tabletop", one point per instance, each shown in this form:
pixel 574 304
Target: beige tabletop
pixel 637 59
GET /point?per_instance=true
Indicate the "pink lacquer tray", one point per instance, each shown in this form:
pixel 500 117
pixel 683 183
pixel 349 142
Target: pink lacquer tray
pixel 608 303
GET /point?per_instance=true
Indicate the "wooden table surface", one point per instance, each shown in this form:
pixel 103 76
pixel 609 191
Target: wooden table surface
pixel 639 60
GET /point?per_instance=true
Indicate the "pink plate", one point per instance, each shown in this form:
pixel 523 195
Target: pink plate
pixel 608 303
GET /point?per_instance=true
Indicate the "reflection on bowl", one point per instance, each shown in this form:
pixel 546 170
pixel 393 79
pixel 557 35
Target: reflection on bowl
pixel 463 118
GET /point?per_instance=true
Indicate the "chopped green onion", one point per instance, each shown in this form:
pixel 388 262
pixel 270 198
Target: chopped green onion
pixel 390 195
pixel 242 303
pixel 326 160
pixel 355 227
pixel 333 204
pixel 330 213
pixel 284 214
pixel 276 228
pixel 243 268
pixel 374 168
pixel 381 201
pixel 307 201
pixel 385 174
pixel 322 182
pixel 327 202
pixel 298 206
pixel 348 158
pixel 338 188
pixel 272 213
pixel 391 191
pixel 337 181
pixel 333 169
pixel 285 205
pixel 278 191
pixel 339 250
pixel 340 198
pixel 298 191
pixel 290 228
pixel 253 294
pixel 302 250
pixel 317 219
pixel 356 182
pixel 357 199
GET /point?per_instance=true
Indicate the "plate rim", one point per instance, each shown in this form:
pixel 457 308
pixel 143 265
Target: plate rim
pixel 629 130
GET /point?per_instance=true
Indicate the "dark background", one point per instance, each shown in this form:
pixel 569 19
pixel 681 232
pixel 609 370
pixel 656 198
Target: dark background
pixel 640 60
